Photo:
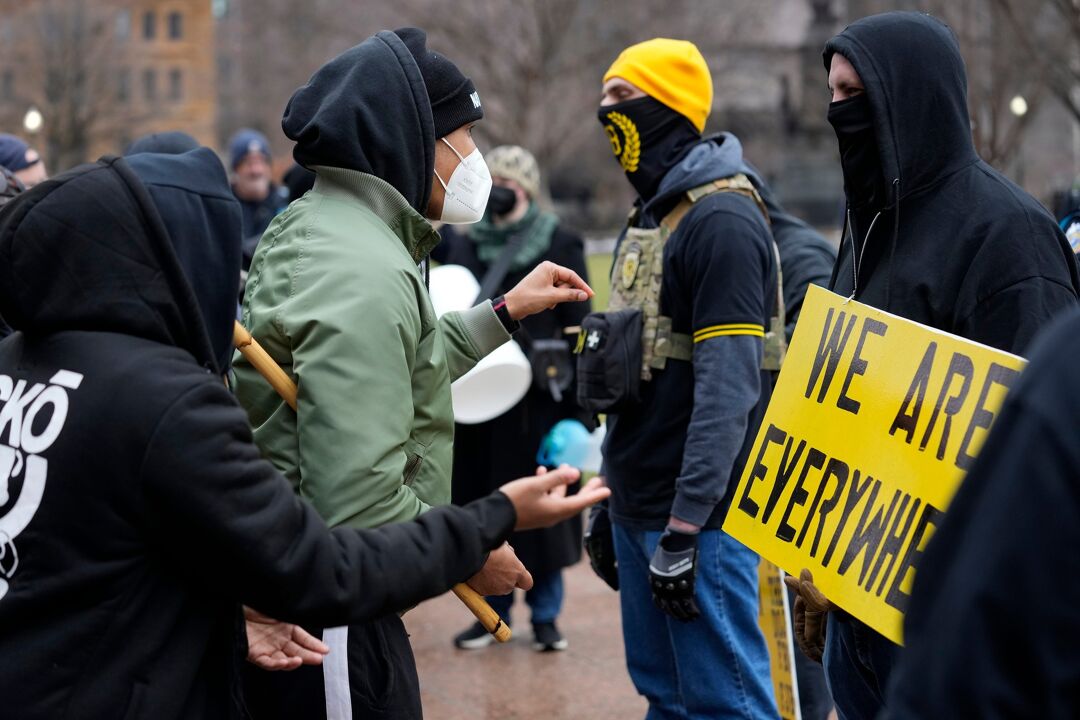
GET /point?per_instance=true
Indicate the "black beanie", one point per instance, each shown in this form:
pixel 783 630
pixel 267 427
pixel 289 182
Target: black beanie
pixel 454 100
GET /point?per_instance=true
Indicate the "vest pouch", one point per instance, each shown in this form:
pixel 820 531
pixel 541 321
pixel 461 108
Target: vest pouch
pixel 609 361
pixel 552 367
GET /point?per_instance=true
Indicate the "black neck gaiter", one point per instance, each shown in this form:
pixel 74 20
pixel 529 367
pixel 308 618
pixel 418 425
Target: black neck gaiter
pixel 648 139
pixel 864 181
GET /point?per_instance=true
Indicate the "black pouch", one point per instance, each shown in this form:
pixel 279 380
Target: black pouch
pixel 609 361
pixel 552 367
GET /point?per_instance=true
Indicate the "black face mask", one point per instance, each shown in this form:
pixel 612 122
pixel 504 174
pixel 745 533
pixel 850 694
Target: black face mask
pixel 648 139
pixel 864 180
pixel 501 201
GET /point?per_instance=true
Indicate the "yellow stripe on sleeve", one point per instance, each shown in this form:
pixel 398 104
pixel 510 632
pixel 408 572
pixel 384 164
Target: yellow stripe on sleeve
pixel 713 331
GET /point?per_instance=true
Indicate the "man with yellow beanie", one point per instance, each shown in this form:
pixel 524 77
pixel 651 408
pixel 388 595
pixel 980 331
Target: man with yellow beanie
pixel 696 320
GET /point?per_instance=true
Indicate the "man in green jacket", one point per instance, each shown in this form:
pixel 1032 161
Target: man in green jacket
pixel 336 296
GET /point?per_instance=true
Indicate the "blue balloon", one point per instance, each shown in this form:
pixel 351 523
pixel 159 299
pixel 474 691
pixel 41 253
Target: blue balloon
pixel 567 443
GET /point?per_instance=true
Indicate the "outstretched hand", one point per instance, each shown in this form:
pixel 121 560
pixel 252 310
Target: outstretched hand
pixel 545 287
pixel 541 501
pixel 275 645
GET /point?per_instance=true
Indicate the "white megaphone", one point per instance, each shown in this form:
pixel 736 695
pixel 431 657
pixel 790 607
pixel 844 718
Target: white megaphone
pixel 499 381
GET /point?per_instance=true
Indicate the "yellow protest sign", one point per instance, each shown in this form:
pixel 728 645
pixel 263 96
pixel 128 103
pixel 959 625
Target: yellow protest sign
pixel 872 425
pixel 774 620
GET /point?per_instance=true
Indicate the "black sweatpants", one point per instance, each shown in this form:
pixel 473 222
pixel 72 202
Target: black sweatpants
pixel 373 679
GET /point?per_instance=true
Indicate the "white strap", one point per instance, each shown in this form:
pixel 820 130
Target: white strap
pixel 336 674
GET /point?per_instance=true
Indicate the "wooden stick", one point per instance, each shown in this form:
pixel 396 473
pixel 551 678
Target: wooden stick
pixel 261 360
pixel 286 388
pixel 483 612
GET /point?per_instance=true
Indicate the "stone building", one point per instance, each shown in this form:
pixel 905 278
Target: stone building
pixel 103 72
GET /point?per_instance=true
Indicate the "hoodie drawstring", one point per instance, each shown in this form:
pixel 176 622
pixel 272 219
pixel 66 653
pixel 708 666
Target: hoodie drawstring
pixel 848 232
pixel 892 243
pixel 857 260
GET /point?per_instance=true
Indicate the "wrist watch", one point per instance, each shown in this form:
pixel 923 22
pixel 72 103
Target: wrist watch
pixel 499 306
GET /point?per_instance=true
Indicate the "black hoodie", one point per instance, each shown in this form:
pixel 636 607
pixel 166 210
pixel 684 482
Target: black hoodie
pixel 136 514
pixel 992 627
pixel 368 110
pixel 960 247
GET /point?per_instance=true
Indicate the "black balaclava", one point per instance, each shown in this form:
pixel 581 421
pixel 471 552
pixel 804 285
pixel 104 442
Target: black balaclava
pixel 648 138
pixel 864 181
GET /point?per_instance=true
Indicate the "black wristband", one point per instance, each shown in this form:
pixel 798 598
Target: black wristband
pixel 509 324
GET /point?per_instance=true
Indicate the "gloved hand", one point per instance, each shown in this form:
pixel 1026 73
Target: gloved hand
pixel 671 574
pixel 600 546
pixel 811 614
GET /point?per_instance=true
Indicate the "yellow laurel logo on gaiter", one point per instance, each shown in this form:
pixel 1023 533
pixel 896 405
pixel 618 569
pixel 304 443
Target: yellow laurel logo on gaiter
pixel 631 141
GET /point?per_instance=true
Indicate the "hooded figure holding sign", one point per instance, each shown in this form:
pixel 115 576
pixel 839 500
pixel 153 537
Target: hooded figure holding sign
pixel 934 235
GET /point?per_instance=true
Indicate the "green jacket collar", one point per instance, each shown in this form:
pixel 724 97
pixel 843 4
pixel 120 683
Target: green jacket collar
pixel 379 196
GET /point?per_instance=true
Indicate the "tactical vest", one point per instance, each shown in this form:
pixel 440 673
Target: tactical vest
pixel 638 274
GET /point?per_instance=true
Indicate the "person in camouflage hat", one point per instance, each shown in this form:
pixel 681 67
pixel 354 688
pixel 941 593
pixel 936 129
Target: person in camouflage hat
pixel 483 454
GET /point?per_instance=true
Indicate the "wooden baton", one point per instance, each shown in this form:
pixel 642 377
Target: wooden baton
pixel 286 388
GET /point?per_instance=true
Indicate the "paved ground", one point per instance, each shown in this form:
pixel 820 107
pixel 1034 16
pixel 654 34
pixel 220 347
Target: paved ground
pixel 512 682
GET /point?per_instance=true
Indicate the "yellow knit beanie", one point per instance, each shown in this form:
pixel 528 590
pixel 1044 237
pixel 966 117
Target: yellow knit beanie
pixel 671 71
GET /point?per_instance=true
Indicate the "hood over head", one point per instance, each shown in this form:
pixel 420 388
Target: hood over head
pixel 148 246
pixel 368 110
pixel 173 142
pixel 914 78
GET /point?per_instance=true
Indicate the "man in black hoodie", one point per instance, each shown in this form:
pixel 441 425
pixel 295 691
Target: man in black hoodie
pixel 934 234
pixel 136 514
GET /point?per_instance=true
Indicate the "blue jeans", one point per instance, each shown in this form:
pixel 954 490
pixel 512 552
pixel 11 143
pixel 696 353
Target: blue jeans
pixel 857 665
pixel 714 667
pixel 544 600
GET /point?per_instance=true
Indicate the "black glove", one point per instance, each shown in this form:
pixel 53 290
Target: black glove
pixel 600 546
pixel 671 574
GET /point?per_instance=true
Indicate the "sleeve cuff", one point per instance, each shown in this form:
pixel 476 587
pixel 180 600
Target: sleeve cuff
pixel 691 510
pixel 483 328
pixel 496 517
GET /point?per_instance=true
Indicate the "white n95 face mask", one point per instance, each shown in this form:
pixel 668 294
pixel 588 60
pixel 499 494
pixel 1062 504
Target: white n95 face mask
pixel 468 190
